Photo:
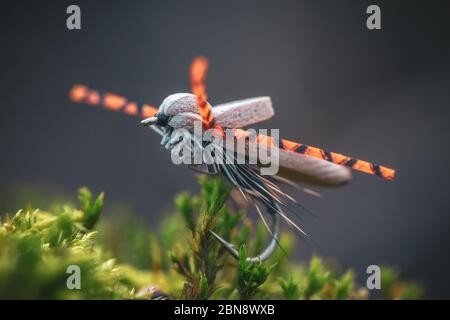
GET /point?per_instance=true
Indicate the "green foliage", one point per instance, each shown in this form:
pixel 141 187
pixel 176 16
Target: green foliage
pixel 37 247
pixel 200 261
pixel 290 289
pixel 317 278
pixel 91 209
pixel 393 288
pixel 120 258
pixel 250 275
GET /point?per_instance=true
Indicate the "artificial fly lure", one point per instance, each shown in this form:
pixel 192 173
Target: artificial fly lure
pixel 298 162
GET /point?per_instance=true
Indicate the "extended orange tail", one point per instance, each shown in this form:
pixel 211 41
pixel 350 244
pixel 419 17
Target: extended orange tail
pixel 82 94
pixel 359 165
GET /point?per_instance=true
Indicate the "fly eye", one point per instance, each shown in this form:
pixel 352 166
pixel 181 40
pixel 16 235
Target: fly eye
pixel 159 119
pixel 163 119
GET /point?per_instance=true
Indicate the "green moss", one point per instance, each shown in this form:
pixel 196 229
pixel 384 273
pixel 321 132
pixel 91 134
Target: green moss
pixel 120 258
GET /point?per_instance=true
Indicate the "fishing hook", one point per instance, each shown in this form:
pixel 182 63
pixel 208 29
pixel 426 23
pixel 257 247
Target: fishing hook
pixel 270 248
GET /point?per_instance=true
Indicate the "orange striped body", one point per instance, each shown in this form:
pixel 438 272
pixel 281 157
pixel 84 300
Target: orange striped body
pixel 198 70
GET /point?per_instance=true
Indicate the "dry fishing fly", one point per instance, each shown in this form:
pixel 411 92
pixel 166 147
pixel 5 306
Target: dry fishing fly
pixel 298 162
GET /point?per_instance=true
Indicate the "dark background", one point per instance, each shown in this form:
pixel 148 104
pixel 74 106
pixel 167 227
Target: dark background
pixel 377 95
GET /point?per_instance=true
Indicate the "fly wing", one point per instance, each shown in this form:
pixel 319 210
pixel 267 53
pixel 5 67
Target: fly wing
pixel 236 114
pixel 245 112
pixel 301 168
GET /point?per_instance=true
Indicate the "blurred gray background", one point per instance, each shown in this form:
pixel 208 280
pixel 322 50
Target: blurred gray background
pixel 380 95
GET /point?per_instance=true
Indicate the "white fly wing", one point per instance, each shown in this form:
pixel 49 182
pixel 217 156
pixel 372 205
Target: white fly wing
pixel 302 168
pixel 242 113
pixel 235 114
